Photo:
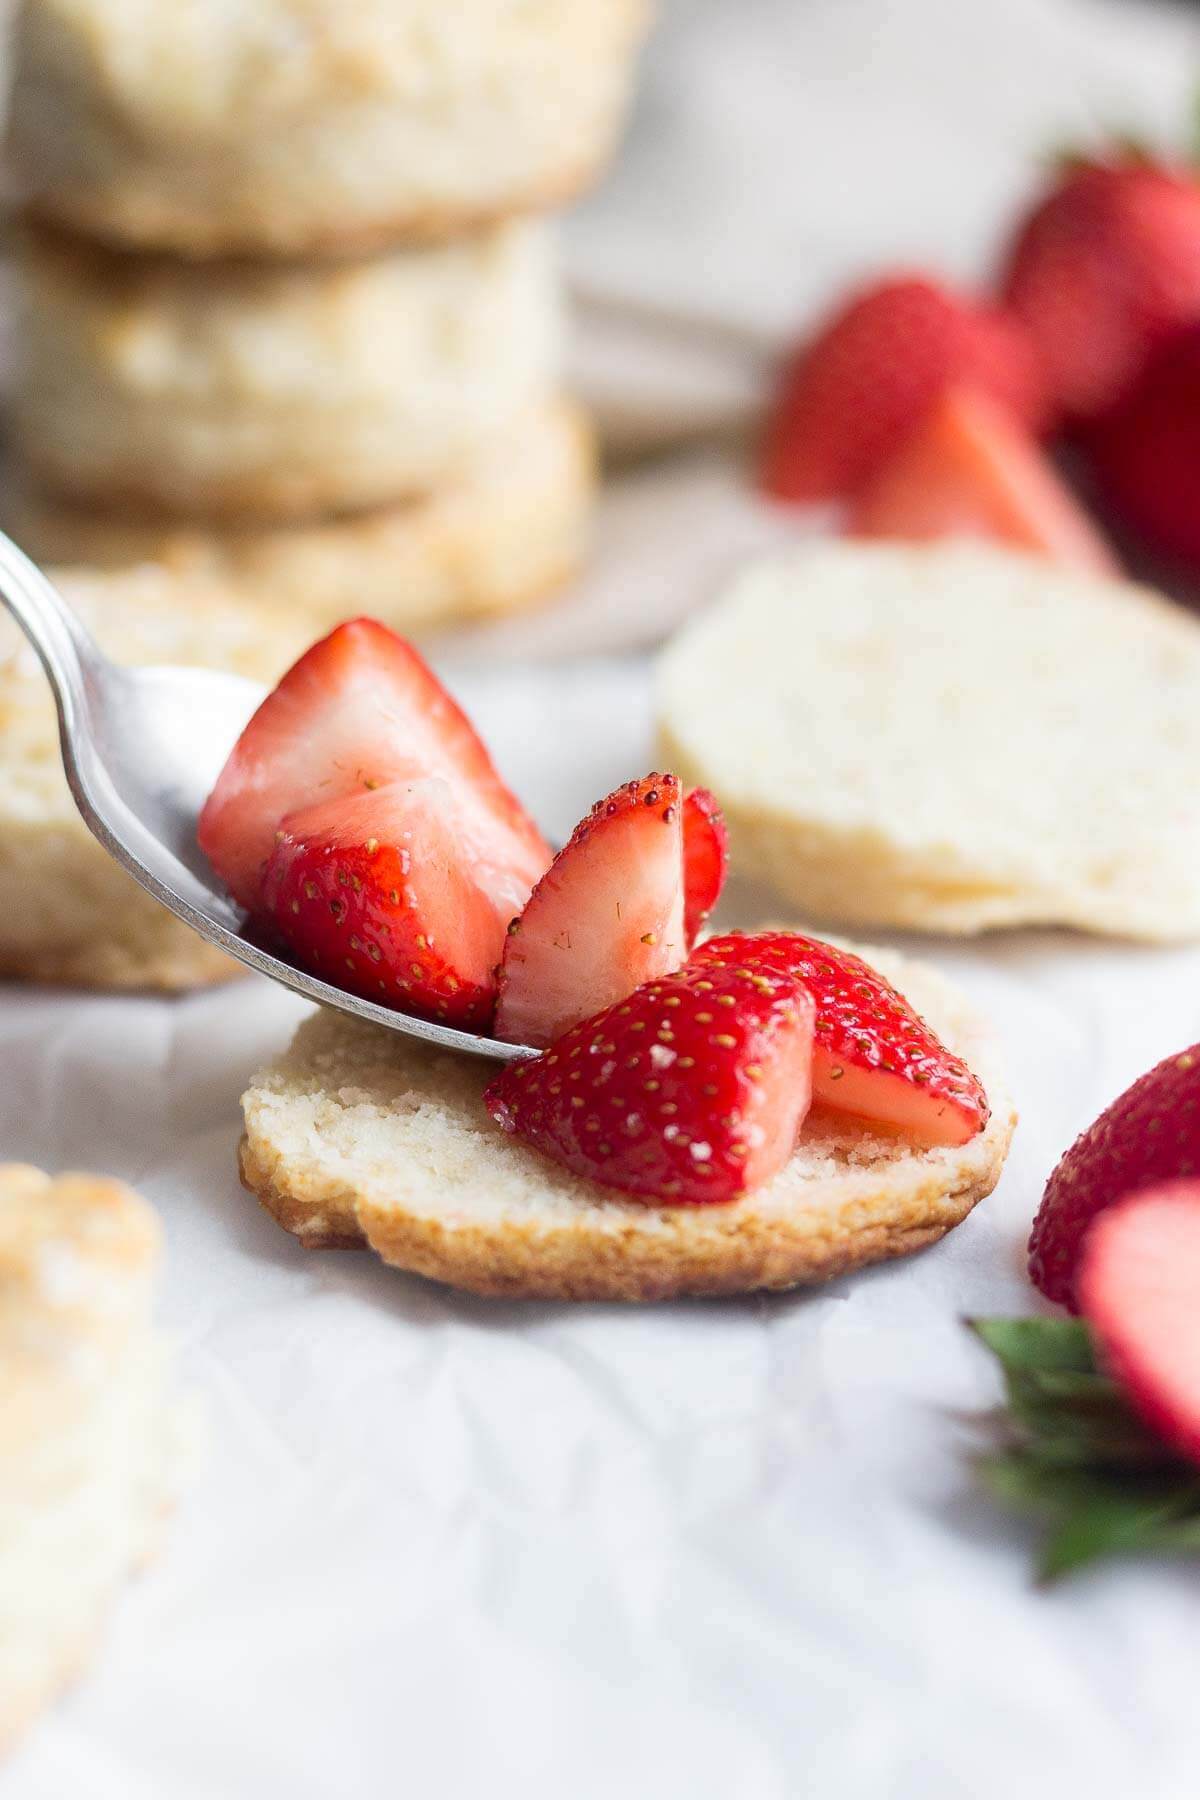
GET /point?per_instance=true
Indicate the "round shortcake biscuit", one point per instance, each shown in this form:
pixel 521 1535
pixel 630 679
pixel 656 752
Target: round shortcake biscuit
pixel 276 392
pixel 513 527
pixel 311 127
pixel 357 1136
pixel 948 738
pixel 68 913
pixel 86 1443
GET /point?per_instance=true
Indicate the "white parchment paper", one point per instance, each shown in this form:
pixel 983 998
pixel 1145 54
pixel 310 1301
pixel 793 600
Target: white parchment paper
pixel 441 1546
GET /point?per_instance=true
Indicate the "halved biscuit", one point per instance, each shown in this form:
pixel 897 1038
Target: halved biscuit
pixel 87 1448
pixel 276 392
pixel 948 738
pixel 68 913
pixel 308 127
pixel 509 530
pixel 359 1136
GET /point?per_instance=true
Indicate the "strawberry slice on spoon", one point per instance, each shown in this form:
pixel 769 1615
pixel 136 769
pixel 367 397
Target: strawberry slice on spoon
pixel 379 893
pixel 359 709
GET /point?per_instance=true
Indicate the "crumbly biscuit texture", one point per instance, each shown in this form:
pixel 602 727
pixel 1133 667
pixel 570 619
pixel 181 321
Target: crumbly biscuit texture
pixel 88 1448
pixel 280 392
pixel 508 531
pixel 948 738
pixel 358 1136
pixel 312 127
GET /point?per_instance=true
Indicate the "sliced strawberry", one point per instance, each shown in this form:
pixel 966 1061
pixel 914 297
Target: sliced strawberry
pixel 851 393
pixel 1105 267
pixel 1150 1133
pixel 970 470
pixel 873 1056
pixel 359 709
pixel 690 1090
pixel 705 859
pixel 378 893
pixel 1139 1278
pixel 606 916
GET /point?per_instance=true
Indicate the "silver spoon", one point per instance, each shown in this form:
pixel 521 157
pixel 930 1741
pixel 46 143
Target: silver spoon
pixel 142 749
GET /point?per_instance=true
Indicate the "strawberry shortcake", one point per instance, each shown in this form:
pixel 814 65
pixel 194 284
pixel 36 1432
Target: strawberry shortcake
pixel 692 1115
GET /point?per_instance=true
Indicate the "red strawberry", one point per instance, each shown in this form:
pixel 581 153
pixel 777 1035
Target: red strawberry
pixel 873 1056
pixel 606 916
pixel 1105 266
pixel 1150 1133
pixel 970 470
pixel 850 395
pixel 378 893
pixel 705 859
pixel 1139 1281
pixel 1145 453
pixel 691 1090
pixel 358 709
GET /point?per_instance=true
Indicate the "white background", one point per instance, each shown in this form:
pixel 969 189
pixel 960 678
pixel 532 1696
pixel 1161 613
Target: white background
pixel 442 1547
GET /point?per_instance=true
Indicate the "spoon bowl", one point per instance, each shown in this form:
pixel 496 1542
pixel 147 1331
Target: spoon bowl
pixel 142 749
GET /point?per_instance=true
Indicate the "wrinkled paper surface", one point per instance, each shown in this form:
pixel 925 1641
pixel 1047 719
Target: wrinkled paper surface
pixel 440 1545
pixel 696 1551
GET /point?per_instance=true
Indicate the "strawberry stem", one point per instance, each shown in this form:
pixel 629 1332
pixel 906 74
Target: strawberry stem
pixel 1068 1449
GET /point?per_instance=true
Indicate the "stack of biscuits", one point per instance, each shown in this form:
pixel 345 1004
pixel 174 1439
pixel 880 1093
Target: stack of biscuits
pixel 289 319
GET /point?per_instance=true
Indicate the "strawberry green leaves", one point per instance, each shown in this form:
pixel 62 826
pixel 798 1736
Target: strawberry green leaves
pixel 1070 1451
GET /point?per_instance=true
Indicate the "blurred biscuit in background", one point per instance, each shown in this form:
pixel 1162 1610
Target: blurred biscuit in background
pixel 503 534
pixel 310 127
pixel 276 391
pixel 89 1440
pixel 948 738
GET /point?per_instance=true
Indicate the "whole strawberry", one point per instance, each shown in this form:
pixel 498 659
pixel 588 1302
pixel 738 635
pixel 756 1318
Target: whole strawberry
pixel 851 394
pixel 1105 267
pixel 1150 1133
pixel 1145 452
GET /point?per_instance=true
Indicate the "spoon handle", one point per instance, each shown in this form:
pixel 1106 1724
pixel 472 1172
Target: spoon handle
pixel 67 651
